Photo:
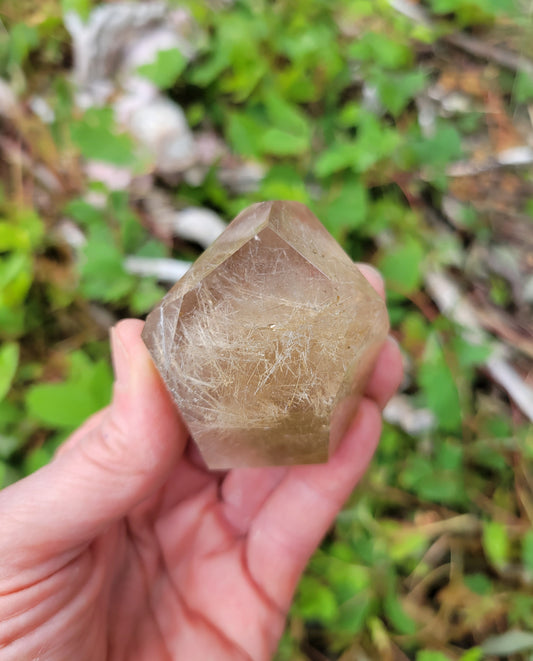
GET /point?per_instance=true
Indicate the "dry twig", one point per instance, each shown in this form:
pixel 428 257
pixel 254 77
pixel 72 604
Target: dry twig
pixel 454 305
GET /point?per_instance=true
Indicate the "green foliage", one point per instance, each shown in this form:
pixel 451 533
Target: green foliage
pixel 397 90
pixel 21 235
pixel 22 40
pixel 164 72
pixel 9 357
pixel 66 405
pixel 472 11
pixel 527 551
pixel 439 386
pixel 478 583
pixel 433 152
pixel 346 207
pixel 402 266
pixel 379 49
pixel 315 601
pixel 327 98
pixel 80 7
pixel 431 480
pixel 103 274
pixel 523 87
pixel 396 615
pixel 475 654
pixel 113 232
pixel 496 543
pixel 429 655
pixel 97 138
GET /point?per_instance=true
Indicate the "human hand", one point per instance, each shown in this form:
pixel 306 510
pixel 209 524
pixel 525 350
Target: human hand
pixel 125 547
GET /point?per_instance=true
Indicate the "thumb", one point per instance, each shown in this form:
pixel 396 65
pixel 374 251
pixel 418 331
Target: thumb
pixel 108 467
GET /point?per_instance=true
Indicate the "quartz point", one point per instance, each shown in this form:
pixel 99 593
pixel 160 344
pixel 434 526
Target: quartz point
pixel 267 341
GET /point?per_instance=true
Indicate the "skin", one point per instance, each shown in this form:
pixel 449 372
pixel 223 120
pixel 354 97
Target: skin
pixel 126 547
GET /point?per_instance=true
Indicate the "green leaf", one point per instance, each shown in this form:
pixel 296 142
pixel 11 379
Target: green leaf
pixel 396 615
pixel 430 482
pixel 315 601
pixel 475 654
pixel 345 578
pixel 16 274
pixel 66 405
pixel 80 7
pixel 244 134
pixel 438 150
pixel 8 474
pixel 401 266
pixel 22 233
pixel 9 358
pixel 145 295
pixel 523 87
pixel 132 233
pixel 474 11
pixel 84 213
pixel 36 459
pixel 166 69
pixel 334 159
pixel 439 387
pixel 450 457
pixel 431 655
pixel 22 40
pixel 12 238
pixel 407 544
pixel 9 445
pixel 283 182
pixel 496 543
pixel 286 116
pixel 354 613
pixel 396 90
pixel 207 72
pixel 348 209
pixel 527 551
pixel 103 275
pixel 12 321
pixel 478 583
pixel 97 138
pixel 375 141
pixel 379 48
pixel 521 610
pixel 278 142
pixel 468 354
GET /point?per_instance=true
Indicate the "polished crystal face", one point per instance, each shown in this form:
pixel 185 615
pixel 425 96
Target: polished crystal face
pixel 267 341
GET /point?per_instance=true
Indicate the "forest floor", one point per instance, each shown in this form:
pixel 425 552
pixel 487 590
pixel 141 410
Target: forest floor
pixel 407 126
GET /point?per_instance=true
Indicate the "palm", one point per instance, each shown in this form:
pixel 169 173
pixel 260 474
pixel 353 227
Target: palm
pixel 182 576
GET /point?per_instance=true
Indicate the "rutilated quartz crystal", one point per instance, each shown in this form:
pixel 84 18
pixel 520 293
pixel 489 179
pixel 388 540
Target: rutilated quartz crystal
pixel 267 341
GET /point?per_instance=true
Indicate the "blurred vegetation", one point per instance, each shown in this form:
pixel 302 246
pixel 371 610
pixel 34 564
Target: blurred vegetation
pixel 432 559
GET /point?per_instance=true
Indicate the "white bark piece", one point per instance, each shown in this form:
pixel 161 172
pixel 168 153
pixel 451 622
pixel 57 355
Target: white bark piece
pixel 165 270
pixel 455 306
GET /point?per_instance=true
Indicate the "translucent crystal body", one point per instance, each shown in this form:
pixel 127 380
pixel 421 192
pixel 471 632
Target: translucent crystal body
pixel 267 341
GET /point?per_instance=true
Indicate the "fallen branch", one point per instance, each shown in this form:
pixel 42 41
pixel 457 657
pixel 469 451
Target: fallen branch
pixel 196 224
pixel 468 43
pixel 516 156
pixel 414 421
pixel 478 48
pixel 165 270
pixel 454 305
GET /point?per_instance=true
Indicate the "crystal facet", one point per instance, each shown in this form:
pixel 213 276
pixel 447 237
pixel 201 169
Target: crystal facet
pixel 267 341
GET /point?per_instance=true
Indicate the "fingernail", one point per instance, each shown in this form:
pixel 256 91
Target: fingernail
pixel 373 276
pixel 121 358
pixel 365 266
